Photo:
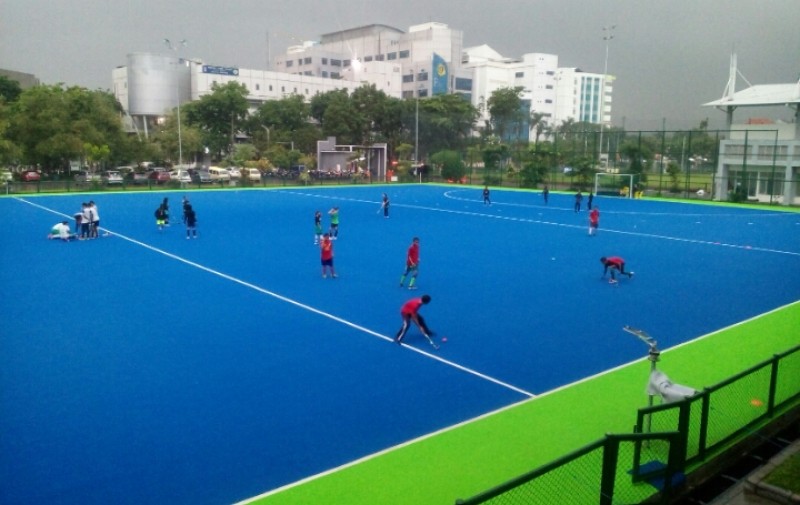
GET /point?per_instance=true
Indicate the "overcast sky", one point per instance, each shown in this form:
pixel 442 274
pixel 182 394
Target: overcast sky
pixel 669 56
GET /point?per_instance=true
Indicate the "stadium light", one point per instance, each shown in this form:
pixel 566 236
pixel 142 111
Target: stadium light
pixel 609 34
pixel 178 95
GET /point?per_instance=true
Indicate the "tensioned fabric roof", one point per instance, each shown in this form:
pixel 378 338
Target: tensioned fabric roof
pixel 762 94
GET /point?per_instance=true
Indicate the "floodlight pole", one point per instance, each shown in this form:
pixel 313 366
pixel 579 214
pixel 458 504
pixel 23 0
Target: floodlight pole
pixel 178 93
pixel 609 34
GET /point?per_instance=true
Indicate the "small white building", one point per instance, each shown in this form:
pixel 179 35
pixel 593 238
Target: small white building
pixel 763 160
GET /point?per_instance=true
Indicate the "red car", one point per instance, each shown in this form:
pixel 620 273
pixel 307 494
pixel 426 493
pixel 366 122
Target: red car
pixel 30 176
pixel 159 176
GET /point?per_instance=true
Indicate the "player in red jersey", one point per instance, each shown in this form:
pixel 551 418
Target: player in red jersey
pixel 410 312
pixel 412 264
pixel 594 220
pixel 326 254
pixel 614 264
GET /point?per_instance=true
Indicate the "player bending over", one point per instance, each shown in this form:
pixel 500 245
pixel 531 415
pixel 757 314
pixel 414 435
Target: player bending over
pixel 614 264
pixel 410 312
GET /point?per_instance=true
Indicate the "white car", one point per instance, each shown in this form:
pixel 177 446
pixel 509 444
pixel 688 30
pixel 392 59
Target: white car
pixel 111 177
pixel 253 174
pixel 235 172
pixel 180 176
pixel 219 174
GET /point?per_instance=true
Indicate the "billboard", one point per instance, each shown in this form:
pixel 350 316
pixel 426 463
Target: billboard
pixel 210 69
pixel 440 76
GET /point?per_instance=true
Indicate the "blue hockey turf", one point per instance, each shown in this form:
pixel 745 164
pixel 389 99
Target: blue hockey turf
pixel 145 368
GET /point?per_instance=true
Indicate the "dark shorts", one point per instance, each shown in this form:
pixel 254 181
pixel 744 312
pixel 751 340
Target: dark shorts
pixel 327 263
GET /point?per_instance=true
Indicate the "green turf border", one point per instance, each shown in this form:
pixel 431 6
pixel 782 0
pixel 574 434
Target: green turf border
pixel 472 457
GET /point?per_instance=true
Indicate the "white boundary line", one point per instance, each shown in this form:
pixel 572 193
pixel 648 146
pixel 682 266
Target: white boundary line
pixel 299 305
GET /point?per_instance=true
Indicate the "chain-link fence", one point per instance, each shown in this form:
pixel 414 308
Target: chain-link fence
pixel 667 439
pixel 605 472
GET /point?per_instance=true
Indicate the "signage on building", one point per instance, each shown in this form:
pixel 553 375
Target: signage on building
pixel 440 75
pixel 210 69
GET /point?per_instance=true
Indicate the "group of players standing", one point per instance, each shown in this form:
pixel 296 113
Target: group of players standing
pixel 189 217
pixel 87 225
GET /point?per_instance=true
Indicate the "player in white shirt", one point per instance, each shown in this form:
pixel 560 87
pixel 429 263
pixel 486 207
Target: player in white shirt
pixel 61 231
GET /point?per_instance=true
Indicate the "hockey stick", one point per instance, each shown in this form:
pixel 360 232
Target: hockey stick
pixel 430 340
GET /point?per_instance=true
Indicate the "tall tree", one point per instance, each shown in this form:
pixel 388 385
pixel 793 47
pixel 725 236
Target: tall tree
pixel 9 151
pixel 343 120
pixel 219 116
pixel 52 125
pixel 505 109
pixel 9 89
pixel 445 122
pixel 538 125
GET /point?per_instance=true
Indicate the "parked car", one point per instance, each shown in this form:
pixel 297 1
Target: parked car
pixel 84 176
pixel 180 176
pixel 111 177
pixel 219 174
pixel 6 176
pixel 30 176
pixel 253 174
pixel 159 175
pixel 201 176
pixel 138 177
pixel 235 172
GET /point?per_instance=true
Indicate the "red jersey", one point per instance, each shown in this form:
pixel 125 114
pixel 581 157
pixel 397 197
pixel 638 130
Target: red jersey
pixel 326 246
pixel 615 261
pixel 594 216
pixel 411 307
pixel 413 255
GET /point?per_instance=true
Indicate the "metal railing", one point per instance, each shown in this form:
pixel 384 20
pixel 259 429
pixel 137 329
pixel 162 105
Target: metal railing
pixel 631 468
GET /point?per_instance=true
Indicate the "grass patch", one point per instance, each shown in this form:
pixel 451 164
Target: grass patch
pixel 787 474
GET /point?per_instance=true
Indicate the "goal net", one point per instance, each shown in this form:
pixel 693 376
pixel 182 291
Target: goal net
pixel 615 184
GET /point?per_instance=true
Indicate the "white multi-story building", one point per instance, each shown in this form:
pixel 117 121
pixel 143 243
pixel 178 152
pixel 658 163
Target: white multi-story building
pixel 427 60
pixel 535 73
pixel 426 57
pixel 583 97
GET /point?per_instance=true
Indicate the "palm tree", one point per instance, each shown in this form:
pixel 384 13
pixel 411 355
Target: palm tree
pixel 538 124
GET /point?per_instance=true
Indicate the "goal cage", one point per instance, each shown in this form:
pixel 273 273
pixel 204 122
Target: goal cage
pixel 624 185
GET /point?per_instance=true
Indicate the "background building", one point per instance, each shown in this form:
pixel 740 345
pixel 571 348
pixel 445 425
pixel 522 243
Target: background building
pixel 25 80
pixel 580 96
pixel 427 60
pixel 761 159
